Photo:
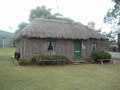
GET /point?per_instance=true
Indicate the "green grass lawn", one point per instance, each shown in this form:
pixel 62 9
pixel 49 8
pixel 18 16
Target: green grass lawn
pixel 68 77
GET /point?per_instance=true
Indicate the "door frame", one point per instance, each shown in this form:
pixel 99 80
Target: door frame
pixel 80 48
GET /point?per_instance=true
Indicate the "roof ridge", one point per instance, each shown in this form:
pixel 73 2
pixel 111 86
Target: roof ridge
pixel 55 20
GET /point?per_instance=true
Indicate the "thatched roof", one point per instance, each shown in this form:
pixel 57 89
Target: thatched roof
pixel 47 28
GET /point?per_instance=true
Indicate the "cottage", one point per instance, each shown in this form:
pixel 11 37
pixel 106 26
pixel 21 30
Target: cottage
pixel 43 36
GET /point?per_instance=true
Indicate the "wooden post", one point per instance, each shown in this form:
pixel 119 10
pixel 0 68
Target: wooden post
pixel 63 62
pixel 101 62
pixel 3 41
pixel 114 61
pixel 42 63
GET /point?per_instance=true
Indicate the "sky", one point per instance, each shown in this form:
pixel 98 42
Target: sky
pixel 13 12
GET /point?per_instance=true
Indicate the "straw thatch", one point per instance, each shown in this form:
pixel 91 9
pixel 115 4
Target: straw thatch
pixel 43 28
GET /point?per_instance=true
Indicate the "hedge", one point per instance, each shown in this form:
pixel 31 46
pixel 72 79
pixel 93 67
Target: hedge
pixel 36 59
pixel 100 54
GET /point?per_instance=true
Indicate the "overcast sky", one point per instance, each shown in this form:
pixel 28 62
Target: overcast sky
pixel 13 12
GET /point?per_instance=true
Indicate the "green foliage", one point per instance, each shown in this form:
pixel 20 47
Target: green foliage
pixel 20 27
pixel 39 12
pixel 58 15
pixel 22 61
pixel 36 59
pixel 110 35
pixel 43 12
pixel 90 60
pixel 100 54
pixel 113 13
pixel 67 19
pixel 113 16
pixel 108 45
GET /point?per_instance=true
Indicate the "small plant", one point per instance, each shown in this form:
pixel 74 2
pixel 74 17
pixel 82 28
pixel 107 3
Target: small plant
pixel 36 59
pixel 61 57
pixel 90 60
pixel 22 61
pixel 100 54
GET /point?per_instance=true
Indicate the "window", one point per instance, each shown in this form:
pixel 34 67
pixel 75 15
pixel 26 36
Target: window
pixel 51 45
pixel 94 46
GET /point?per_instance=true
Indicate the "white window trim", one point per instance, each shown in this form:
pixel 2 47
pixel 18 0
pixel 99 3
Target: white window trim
pixel 94 45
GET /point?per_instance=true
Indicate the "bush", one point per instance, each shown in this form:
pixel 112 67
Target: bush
pixel 57 57
pixel 90 60
pixel 36 59
pixel 22 61
pixel 100 54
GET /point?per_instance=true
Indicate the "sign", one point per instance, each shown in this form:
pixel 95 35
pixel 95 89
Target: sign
pixel 83 47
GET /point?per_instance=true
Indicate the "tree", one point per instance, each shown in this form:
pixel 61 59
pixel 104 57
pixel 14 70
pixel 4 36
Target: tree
pixel 43 12
pixel 58 15
pixel 113 17
pixel 110 35
pixel 21 26
pixel 113 14
pixel 40 12
pixel 67 19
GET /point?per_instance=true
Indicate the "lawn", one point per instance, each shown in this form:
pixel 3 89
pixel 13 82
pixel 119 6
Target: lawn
pixel 68 77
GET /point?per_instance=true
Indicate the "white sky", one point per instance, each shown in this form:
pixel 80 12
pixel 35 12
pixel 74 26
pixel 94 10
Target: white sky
pixel 13 12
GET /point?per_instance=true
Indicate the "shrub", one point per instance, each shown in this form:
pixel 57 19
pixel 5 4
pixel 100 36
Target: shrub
pixel 22 61
pixel 57 57
pixel 100 54
pixel 90 60
pixel 36 59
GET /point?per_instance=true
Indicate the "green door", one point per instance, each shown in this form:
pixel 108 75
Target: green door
pixel 77 49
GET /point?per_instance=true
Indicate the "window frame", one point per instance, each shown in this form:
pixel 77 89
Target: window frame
pixel 94 45
pixel 53 43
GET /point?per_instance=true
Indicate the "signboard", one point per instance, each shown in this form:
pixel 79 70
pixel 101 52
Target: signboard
pixel 83 46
